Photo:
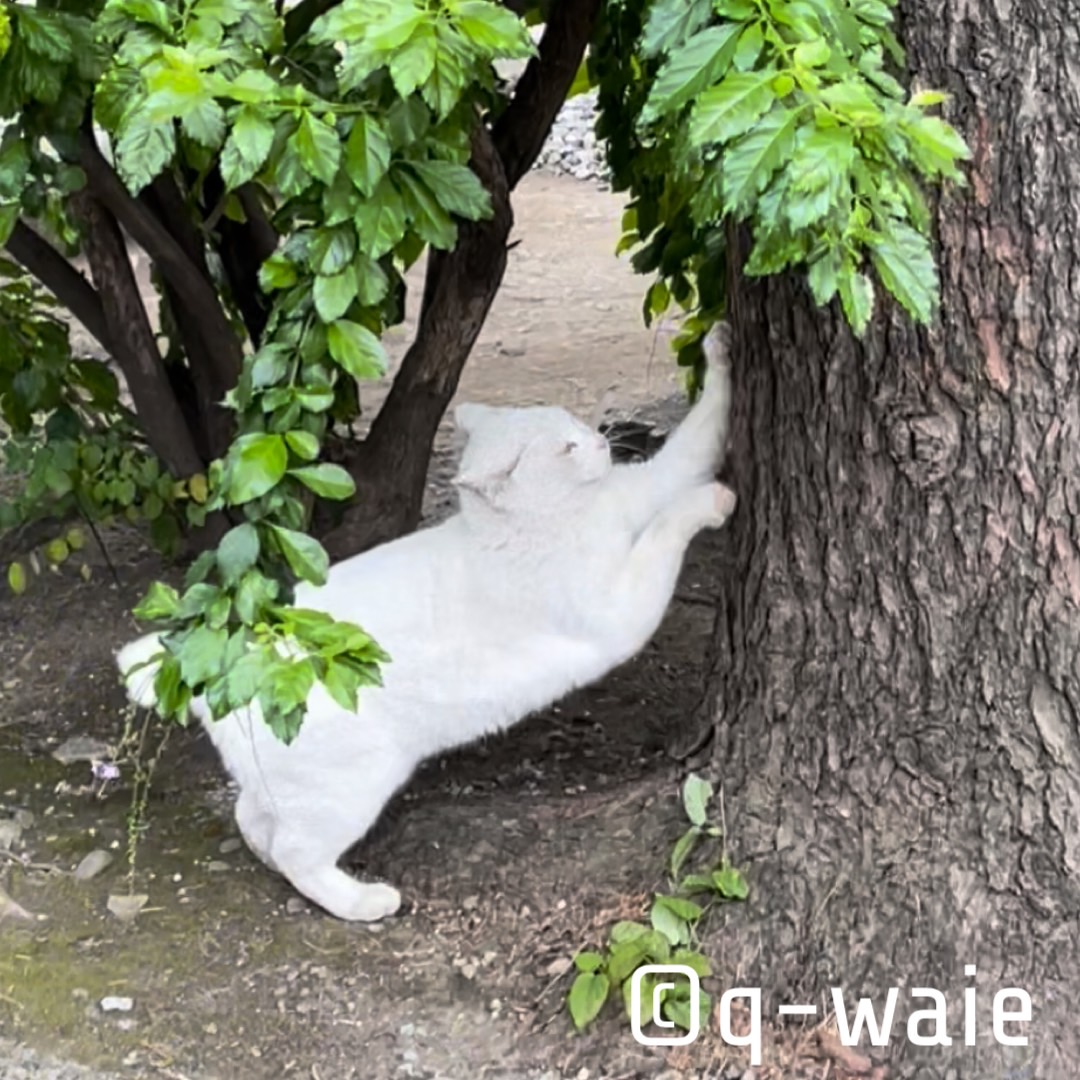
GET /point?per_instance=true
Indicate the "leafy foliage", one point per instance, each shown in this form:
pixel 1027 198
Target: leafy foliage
pixel 783 118
pixel 786 116
pixel 355 139
pixel 69 441
pixel 671 934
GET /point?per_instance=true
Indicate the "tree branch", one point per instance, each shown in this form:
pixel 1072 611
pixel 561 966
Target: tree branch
pixel 520 131
pixel 134 345
pixel 197 294
pixel 35 254
pixel 299 19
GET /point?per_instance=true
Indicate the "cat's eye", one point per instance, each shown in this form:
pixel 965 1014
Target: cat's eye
pixel 570 447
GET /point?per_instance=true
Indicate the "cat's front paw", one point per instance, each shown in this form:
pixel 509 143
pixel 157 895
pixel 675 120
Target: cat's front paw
pixel 724 500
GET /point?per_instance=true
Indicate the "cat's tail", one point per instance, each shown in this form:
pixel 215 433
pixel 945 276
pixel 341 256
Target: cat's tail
pixel 139 662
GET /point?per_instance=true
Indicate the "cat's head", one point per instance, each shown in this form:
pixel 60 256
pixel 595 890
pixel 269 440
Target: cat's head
pixel 531 459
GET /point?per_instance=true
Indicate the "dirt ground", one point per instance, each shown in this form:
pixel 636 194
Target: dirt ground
pixel 511 855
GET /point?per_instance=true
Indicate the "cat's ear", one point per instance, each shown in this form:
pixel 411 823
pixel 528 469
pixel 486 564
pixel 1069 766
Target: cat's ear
pixel 488 480
pixel 470 416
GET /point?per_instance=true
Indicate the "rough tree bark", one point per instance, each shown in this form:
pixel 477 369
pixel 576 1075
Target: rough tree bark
pixel 896 689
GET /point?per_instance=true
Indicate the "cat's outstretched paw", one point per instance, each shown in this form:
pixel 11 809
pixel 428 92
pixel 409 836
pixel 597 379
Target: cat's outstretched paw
pixel 724 499
pixel 716 345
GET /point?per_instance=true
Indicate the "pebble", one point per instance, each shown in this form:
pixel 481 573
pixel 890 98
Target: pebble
pixel 117 1004
pixel 10 831
pixel 295 906
pixel 227 847
pixel 93 864
pixel 216 866
pixel 81 748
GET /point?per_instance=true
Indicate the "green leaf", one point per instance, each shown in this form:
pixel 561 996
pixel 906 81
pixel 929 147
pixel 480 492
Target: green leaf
pixel 681 852
pixel 823 275
pixel 732 107
pixel 429 219
pixel 318 147
pixel 329 481
pixel 748 163
pixel 43 33
pixel 305 555
pixel 680 907
pixel 367 153
pixel 380 221
pixel 856 297
pixel 588 961
pixel 247 148
pixel 333 295
pixel 342 682
pixel 144 149
pixel 936 146
pixel 254 593
pixel 254 465
pixel 750 45
pixel 903 261
pixel 627 931
pixel 587 996
pixel 204 122
pixel 277 273
pixel 160 602
pixel 411 65
pixel 730 884
pixel 674 928
pixel 457 188
pixel 201 655
pixel 356 349
pixel 671 22
pixel 332 249
pixel 16 576
pixel 496 31
pixel 371 280
pixel 238 552
pixel 696 794
pixel 695 961
pixel 289 684
pixel 303 444
pixel 812 54
pixel 253 87
pixel 690 68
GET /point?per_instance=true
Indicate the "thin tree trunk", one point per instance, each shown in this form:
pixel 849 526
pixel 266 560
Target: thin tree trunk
pixel 132 340
pixel 896 681
pixel 390 466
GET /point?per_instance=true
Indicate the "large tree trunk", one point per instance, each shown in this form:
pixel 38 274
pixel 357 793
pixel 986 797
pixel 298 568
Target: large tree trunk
pixel 897 666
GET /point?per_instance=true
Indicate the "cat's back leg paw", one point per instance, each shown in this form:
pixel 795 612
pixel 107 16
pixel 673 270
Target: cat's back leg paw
pixel 346 898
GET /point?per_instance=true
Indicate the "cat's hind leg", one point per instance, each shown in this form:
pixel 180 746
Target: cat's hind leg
pixel 313 829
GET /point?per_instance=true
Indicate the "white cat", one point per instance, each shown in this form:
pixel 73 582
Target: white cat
pixel 558 567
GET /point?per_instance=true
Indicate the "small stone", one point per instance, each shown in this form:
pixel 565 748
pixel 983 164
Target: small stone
pixel 23 818
pixel 126 908
pixel 10 831
pixel 116 1004
pixel 407 1031
pixel 93 864
pixel 470 903
pixel 216 866
pixel 560 966
pixel 295 906
pixel 227 847
pixel 81 748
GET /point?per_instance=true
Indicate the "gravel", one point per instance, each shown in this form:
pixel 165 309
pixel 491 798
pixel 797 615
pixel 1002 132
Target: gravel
pixel 571 148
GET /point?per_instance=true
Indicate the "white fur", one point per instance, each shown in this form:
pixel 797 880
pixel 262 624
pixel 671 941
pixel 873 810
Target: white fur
pixel 558 568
